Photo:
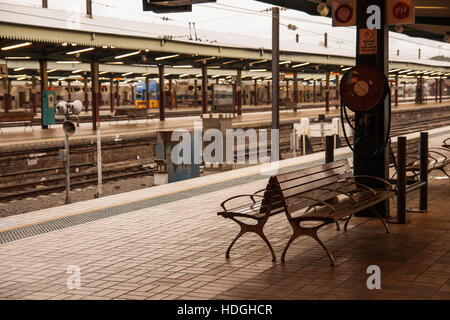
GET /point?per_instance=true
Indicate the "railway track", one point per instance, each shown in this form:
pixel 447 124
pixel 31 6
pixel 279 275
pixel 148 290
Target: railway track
pixel 130 169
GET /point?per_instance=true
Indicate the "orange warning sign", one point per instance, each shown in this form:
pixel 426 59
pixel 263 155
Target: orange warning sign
pixel 368 41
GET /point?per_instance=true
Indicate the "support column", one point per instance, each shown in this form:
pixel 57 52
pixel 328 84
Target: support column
pixel 195 93
pixel 117 93
pixel 440 90
pixel 295 91
pixel 288 100
pixel 338 89
pixel 314 91
pixel 396 90
pixel 33 100
pixel 95 88
pixel 204 89
pixel 44 87
pixel 111 93
pixel 239 92
pixel 376 122
pixel 69 91
pixel 170 94
pixel 147 92
pixel 327 92
pixel 162 107
pixel 404 90
pixel 268 92
pixel 7 96
pixel 436 89
pixel 86 95
pixel 275 68
pixel 256 92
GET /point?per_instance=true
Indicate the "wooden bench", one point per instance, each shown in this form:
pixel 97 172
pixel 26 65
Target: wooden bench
pixel 438 158
pixel 16 118
pixel 134 114
pixel 322 194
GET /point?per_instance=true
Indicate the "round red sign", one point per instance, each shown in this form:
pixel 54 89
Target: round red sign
pixel 400 10
pixel 344 13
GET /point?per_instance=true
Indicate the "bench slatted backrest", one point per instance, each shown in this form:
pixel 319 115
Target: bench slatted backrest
pixel 303 182
pixel 16 116
pixel 273 198
pixel 412 151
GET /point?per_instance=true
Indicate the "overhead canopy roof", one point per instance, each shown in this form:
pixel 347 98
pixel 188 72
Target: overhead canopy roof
pixel 56 36
pixel 432 16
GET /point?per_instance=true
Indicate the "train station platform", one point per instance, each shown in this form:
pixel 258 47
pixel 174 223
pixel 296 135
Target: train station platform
pixel 20 136
pixel 167 242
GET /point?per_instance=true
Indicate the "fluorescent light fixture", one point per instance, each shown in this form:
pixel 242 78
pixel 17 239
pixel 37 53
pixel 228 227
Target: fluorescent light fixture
pixel 216 76
pixel 129 80
pixel 300 65
pixel 64 44
pixel 19 69
pixel 404 71
pixel 68 62
pixel 257 70
pixel 81 51
pixel 17 58
pixel 394 70
pixel 74 76
pixel 127 55
pixel 50 71
pixel 146 74
pixel 198 75
pixel 77 71
pixel 21 78
pixel 62 79
pixel 127 74
pixel 256 62
pixel 167 57
pixel 20 45
pixel 230 61
pixel 183 66
pixel 214 67
pixel 285 62
pixel 114 62
pixel 345 69
pixel 103 72
pixel 204 59
pixel 184 75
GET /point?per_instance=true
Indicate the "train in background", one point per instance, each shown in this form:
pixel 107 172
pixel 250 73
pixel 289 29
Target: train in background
pixel 140 95
pixel 183 93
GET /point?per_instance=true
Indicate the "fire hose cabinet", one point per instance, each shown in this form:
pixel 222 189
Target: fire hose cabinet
pixel 48 107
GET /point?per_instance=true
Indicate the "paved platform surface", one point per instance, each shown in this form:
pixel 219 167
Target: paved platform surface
pixel 17 135
pixel 174 249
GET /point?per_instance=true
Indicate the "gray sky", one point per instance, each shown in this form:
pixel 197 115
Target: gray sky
pixel 247 17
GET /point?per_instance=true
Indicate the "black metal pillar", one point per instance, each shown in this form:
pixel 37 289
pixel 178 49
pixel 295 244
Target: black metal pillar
pixel 275 67
pixel 111 93
pixel 396 90
pixel 440 90
pixel 195 92
pixel 204 89
pixel 375 122
pixel 147 92
pixel 95 85
pixel 239 92
pixel 44 87
pixel 162 107
pixel 327 92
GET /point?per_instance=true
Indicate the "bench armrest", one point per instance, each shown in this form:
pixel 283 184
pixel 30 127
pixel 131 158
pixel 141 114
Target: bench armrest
pixel 240 196
pixel 387 184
